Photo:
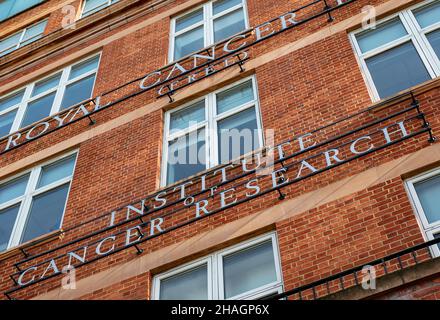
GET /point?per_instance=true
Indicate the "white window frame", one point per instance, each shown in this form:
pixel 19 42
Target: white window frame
pixel 415 35
pixel 428 229
pixel 20 40
pixel 210 125
pixel 207 22
pixel 30 192
pixel 95 9
pixel 59 92
pixel 215 272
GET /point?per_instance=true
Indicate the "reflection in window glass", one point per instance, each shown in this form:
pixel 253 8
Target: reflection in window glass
pixel 188 285
pixel 434 40
pixel 189 19
pixel 92 6
pixel 56 171
pixel 37 206
pixel 249 269
pixel 6 121
pixel 84 67
pixel 231 119
pixel 383 34
pixel 187 117
pixel 11 100
pixel 78 92
pixel 38 109
pixel 7 221
pixel 188 42
pixel 46 84
pixel 186 156
pixel 228 25
pixel 428 192
pixel 235 97
pixel 214 22
pixel 13 189
pixel 222 5
pixel 428 15
pixel 9 8
pixel 237 135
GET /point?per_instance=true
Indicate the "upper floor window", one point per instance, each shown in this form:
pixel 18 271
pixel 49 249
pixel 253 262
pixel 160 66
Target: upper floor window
pixel 402 51
pixel 425 194
pixel 9 8
pixel 32 203
pixel 92 6
pixel 250 270
pixel 22 38
pixel 215 129
pixel 206 25
pixel 47 96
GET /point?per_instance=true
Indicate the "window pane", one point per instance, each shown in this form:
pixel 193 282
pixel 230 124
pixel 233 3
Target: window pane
pixel 222 5
pixel 84 67
pixel 234 97
pixel 13 189
pixel 7 221
pixel 436 236
pixel 6 121
pixel 434 40
pixel 78 91
pixel 45 213
pixel 189 19
pixel 20 5
pixel 11 100
pixel 35 32
pixel 46 84
pixel 187 117
pixel 5 8
pixel 428 15
pixel 237 135
pixel 38 109
pixel 188 42
pixel 228 25
pixel 249 269
pixel 56 171
pixel 428 192
pixel 397 69
pixel 7 43
pixel 189 285
pixel 382 35
pixel 186 156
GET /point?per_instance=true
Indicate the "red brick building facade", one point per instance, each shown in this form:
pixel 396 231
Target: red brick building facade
pixel 340 171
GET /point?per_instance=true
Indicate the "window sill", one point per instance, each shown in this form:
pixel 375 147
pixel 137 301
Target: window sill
pixel 54 235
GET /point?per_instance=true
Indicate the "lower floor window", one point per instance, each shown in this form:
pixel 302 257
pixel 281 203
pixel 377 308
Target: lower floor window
pixel 425 195
pixel 249 270
pixel 215 129
pixel 32 203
